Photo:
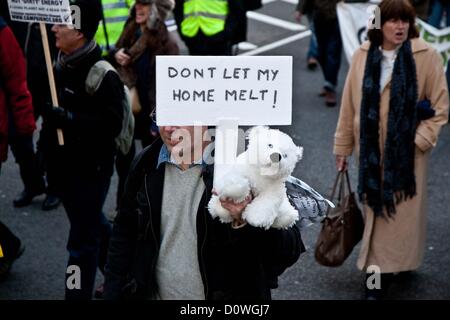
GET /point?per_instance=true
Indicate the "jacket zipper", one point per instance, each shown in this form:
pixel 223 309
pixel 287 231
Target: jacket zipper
pixel 203 246
pixel 150 224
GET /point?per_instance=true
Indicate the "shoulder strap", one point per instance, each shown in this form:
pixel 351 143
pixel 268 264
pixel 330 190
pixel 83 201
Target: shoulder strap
pixel 96 74
pixel 340 180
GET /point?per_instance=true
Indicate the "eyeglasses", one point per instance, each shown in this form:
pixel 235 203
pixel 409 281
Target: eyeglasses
pixel 153 115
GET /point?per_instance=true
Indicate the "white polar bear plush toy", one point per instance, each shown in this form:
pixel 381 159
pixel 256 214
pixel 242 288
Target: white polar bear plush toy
pixel 261 170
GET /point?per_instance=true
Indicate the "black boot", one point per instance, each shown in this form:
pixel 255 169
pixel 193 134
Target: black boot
pixel 26 197
pixel 51 202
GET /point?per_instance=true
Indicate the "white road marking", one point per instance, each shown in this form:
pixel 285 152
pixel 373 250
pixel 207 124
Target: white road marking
pixel 291 1
pixel 247 46
pixel 277 44
pixel 275 21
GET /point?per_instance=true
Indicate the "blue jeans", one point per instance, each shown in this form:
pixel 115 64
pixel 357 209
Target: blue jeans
pixel 329 46
pixel 83 198
pixel 437 11
pixel 312 50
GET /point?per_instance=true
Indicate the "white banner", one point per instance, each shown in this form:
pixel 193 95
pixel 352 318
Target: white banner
pixel 353 21
pixel 193 90
pixel 47 11
pixel 438 38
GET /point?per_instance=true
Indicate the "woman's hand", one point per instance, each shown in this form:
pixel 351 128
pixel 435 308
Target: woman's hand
pixel 122 58
pixel 341 163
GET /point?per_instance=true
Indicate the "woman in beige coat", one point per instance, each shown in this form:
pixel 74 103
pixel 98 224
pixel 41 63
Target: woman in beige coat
pixel 394 103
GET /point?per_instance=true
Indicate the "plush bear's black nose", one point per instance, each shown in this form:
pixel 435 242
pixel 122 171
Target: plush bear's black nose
pixel 275 157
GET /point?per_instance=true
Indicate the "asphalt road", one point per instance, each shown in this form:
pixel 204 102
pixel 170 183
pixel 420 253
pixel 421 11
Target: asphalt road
pixel 39 274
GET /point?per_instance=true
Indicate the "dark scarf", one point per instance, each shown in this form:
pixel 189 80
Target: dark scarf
pixel 77 57
pixel 398 180
pixel 152 41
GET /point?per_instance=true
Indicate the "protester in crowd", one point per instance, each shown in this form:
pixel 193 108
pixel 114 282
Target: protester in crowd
pixel 422 8
pixel 329 44
pixel 144 37
pixel 312 54
pixel 15 104
pixel 240 31
pixel 165 244
pixel 32 165
pixel 90 123
pixel 114 15
pixel 210 27
pixel 438 9
pixel 394 103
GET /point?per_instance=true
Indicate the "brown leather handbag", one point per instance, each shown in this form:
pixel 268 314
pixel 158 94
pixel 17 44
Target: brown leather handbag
pixel 342 228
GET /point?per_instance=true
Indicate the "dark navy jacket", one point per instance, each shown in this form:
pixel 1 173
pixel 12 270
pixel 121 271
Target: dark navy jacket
pixel 234 263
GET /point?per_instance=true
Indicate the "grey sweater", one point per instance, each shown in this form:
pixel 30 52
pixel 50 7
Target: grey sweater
pixel 177 269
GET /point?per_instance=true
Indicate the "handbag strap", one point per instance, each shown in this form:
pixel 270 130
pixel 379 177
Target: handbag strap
pixel 338 178
pixel 335 185
pixel 348 182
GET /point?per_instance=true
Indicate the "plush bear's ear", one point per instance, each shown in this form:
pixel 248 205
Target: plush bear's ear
pixel 299 153
pixel 256 131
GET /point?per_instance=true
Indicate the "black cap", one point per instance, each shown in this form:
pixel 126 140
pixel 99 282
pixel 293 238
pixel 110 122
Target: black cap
pixel 91 14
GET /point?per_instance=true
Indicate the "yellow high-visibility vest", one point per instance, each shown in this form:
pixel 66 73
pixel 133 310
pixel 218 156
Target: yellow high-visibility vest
pixel 116 13
pixel 206 15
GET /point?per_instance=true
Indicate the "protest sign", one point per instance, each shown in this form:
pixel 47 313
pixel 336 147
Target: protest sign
pixel 201 90
pixel 45 12
pixel 353 22
pixel 224 92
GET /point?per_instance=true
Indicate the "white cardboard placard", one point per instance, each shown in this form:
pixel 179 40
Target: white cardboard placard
pixel 46 11
pixel 193 90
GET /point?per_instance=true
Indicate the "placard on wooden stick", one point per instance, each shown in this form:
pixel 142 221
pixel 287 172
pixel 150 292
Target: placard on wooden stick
pixel 255 90
pixel 225 92
pixel 44 12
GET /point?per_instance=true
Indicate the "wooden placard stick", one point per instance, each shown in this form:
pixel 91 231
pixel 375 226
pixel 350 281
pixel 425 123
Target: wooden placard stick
pixel 51 78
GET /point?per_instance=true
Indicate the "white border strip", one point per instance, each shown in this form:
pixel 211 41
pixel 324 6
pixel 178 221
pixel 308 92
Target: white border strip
pixel 277 44
pixel 275 21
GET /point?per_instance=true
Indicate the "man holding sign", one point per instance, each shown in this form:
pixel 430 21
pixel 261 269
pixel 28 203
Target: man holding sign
pixel 165 244
pixel 90 122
